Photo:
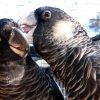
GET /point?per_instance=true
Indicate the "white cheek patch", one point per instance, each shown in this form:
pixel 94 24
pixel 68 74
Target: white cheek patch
pixel 63 30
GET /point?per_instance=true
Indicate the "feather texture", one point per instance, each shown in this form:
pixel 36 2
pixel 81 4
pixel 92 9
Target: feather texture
pixel 20 77
pixel 71 54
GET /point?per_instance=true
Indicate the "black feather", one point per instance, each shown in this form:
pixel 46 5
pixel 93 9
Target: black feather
pixel 74 59
pixel 20 77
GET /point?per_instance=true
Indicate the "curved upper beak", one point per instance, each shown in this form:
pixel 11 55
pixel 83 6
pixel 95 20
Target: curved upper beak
pixel 18 42
pixel 28 24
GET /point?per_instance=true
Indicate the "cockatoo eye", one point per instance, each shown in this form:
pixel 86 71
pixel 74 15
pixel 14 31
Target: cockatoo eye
pixel 46 14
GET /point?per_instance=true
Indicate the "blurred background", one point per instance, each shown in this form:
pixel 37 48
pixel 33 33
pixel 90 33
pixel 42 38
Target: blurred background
pixel 87 12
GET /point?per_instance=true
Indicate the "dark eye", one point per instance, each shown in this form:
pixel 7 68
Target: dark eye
pixel 5 33
pixel 46 14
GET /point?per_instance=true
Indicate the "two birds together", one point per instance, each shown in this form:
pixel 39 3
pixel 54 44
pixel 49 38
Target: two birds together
pixel 63 43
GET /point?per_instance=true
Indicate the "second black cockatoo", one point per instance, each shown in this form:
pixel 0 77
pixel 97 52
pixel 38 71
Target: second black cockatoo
pixel 20 77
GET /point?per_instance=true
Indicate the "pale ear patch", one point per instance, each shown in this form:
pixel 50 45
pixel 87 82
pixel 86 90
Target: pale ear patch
pixel 63 30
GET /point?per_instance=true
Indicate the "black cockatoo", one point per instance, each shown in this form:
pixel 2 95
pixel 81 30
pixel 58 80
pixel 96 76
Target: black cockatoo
pixel 65 45
pixel 20 77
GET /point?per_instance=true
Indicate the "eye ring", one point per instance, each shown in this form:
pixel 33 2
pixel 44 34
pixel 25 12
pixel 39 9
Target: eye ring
pixel 46 15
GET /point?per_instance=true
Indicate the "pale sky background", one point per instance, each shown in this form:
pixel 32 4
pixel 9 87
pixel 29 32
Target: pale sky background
pixel 81 10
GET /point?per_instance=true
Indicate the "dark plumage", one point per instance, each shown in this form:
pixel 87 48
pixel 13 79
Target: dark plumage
pixel 65 45
pixel 96 38
pixel 20 77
